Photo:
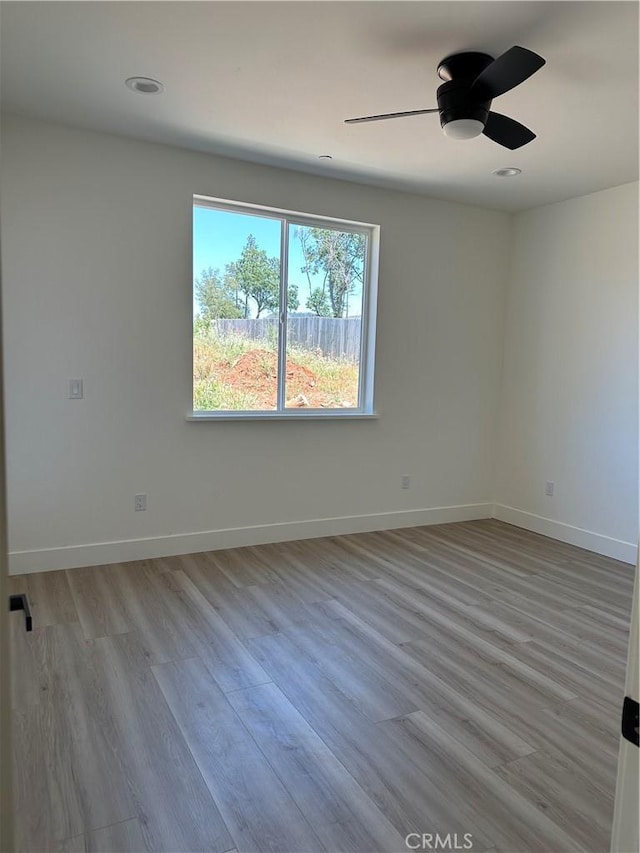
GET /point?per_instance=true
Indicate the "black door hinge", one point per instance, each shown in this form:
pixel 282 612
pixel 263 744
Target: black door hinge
pixel 630 721
pixel 20 602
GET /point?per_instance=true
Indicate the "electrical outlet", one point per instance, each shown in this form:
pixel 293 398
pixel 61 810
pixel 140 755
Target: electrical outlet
pixel 75 389
pixel 140 503
pixel 405 482
pixel 548 488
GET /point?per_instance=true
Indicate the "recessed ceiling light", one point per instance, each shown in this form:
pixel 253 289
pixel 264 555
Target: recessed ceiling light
pixel 325 157
pixel 509 172
pixel 144 85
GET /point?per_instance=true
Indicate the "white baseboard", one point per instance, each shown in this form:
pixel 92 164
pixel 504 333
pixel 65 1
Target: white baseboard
pixel 101 553
pixel 627 552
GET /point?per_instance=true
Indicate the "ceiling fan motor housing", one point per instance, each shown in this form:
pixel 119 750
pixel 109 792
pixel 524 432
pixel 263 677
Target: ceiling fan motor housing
pixel 456 102
pixel 455 98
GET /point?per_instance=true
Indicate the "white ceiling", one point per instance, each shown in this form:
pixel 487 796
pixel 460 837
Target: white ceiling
pixel 272 82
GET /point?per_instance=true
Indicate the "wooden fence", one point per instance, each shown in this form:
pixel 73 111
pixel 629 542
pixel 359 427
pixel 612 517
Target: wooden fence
pixel 336 337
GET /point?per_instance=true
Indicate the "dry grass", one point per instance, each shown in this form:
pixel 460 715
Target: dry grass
pixel 221 380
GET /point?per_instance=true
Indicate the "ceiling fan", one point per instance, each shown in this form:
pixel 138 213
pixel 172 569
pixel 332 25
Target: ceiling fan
pixel 472 81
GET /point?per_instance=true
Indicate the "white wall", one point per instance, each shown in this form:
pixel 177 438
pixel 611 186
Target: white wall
pixel 96 241
pixel 570 379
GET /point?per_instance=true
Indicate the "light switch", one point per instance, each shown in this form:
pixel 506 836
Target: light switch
pixel 75 389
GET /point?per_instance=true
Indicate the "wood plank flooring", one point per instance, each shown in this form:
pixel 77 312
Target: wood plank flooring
pixel 328 695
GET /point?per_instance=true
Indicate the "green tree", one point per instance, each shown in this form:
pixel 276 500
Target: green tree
pixel 318 302
pixel 257 276
pixel 292 297
pixel 215 298
pixel 338 256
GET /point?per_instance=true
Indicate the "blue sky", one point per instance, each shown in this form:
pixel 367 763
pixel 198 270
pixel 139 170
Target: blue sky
pixel 219 237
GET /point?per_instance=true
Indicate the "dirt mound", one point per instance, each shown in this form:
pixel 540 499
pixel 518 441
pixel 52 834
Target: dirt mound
pixel 255 372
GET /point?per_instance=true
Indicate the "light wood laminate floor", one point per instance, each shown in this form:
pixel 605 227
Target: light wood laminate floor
pixel 334 694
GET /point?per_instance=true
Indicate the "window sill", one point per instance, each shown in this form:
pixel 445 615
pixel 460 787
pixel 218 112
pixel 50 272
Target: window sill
pixel 290 415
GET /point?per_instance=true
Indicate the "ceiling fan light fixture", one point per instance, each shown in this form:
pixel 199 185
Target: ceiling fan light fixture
pixel 463 128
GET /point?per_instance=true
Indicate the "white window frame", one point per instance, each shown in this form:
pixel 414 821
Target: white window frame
pixel 365 408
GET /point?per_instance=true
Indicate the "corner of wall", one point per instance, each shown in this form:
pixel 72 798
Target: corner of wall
pixel 498 419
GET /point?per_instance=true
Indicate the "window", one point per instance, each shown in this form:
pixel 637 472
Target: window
pixel 283 313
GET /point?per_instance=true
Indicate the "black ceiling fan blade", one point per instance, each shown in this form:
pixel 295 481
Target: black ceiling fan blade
pixel 389 115
pixel 509 70
pixel 507 132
